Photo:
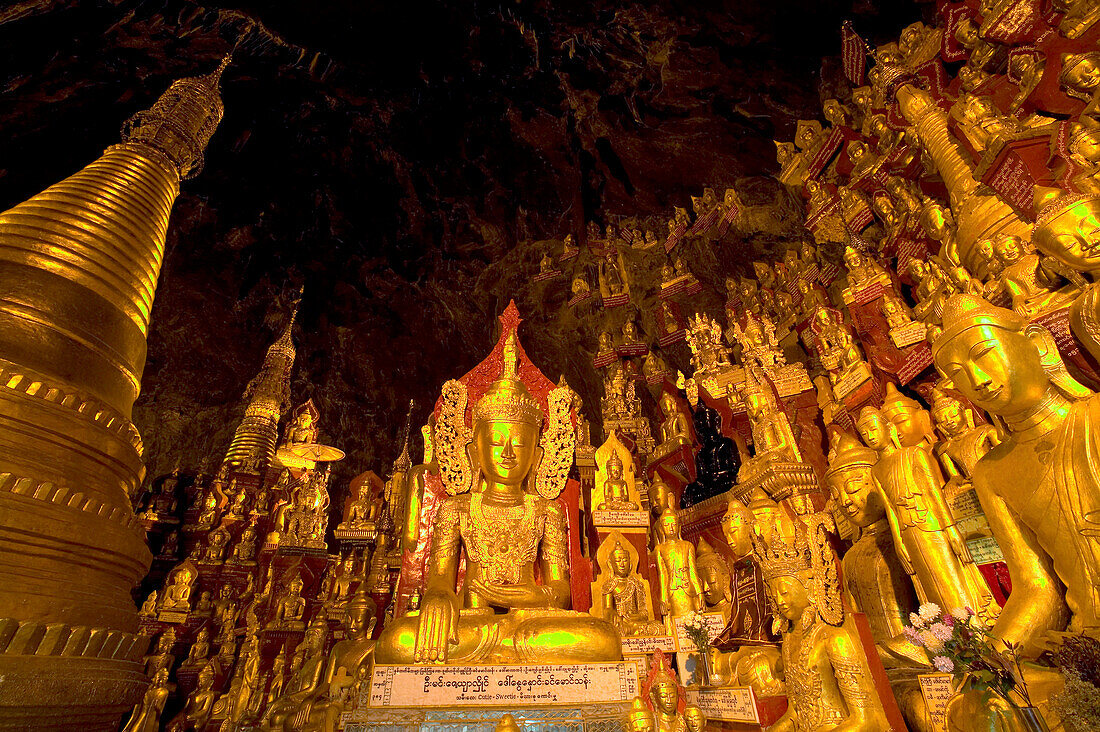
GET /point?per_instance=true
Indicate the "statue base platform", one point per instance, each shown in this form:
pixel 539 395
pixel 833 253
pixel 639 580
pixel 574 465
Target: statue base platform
pixel 605 717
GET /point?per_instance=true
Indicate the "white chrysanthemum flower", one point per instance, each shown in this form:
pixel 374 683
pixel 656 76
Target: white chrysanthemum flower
pixel 929 611
pixel 943 664
pixel 941 631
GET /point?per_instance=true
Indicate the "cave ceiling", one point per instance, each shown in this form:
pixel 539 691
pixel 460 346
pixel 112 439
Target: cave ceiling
pixel 408 163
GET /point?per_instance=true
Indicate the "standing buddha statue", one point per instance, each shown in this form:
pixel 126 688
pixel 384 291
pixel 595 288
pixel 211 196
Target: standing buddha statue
pixel 681 589
pixel 829 684
pixel 928 543
pixel 502 517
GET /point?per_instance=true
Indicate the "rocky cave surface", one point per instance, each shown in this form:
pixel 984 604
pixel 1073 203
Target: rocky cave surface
pixel 408 164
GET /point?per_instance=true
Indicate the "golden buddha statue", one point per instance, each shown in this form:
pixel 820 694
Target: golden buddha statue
pixel 322 708
pixel 623 596
pixel 244 551
pixel 200 648
pixel 149 607
pixel 694 719
pixel 665 697
pixel 377 580
pixel 343 585
pixel 928 543
pixel 200 704
pixel 205 605
pixel 875 582
pixel 640 718
pixel 1034 288
pixel 616 492
pixel 364 510
pixel 305 679
pixel 674 429
pixel 772 437
pixel 1080 77
pixel 209 513
pixel 161 657
pixel 717 580
pixel 290 608
pixel 681 590
pixel 501 516
pixel 278 677
pixel 226 607
pixel 217 542
pixel 146 715
pixel 964 442
pixel 178 586
pixel 1039 486
pixel 829 685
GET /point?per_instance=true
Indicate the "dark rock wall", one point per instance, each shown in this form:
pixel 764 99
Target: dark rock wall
pixel 409 163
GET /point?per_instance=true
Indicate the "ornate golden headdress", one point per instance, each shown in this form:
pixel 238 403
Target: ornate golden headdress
pixel 508 400
pixel 807 551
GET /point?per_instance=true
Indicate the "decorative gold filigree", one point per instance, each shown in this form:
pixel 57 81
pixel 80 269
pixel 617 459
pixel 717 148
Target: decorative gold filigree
pixel 558 443
pixel 452 436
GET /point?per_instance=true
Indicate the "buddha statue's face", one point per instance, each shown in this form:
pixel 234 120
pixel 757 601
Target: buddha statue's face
pixel 934 221
pixel 670 525
pixel 1081 73
pixel 738 532
pixel 854 490
pixel 999 370
pixel 1009 249
pixel 789 596
pixel 872 428
pixel 506 450
pixel 912 424
pixel 852 259
pixel 666 696
pixel 355 624
pixel 856 150
pixel 620 562
pixel 694 719
pixel 659 491
pixel 1072 236
pixel 614 470
pixel 949 415
pixel 713 580
pixel 206 678
pixel 642 722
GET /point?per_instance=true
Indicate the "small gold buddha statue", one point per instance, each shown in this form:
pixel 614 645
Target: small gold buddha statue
pixel 928 543
pixel 624 599
pixel 200 704
pixel 149 607
pixel 1080 77
pixel 829 684
pixel 772 436
pixel 580 287
pixel 244 551
pixel 1038 487
pixel 640 718
pixel 1034 288
pixel 278 677
pixel 177 588
pixel 982 52
pixel 569 247
pixel 200 648
pixel 716 578
pixel 161 657
pixel 322 708
pixel 507 723
pixel 665 697
pixel 226 607
pixel 364 510
pixel 290 608
pixel 630 334
pixel 305 679
pixel 874 581
pixel 217 542
pixel 344 583
pixel 616 492
pixel 681 590
pixel 146 715
pixel 502 516
pixel 612 280
pixel 209 513
pixel 964 442
pixel 674 429
pixel 694 719
pixel 546 264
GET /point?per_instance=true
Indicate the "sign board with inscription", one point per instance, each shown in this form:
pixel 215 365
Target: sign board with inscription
pixel 937 690
pixel 730 704
pixel 620 518
pixel 513 685
pixel 647 644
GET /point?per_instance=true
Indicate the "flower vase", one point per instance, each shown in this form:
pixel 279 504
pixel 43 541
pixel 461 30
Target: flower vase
pixel 1031 719
pixel 705 667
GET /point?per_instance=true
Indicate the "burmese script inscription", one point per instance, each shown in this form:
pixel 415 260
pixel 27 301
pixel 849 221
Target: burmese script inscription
pixel 443 686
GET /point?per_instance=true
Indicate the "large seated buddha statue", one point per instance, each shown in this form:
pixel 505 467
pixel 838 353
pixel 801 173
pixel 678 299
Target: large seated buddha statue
pixel 501 516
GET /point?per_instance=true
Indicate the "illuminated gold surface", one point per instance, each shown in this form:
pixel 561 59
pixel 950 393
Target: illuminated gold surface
pixel 79 264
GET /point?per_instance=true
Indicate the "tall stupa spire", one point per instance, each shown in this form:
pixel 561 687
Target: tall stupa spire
pixel 79 264
pixel 268 396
